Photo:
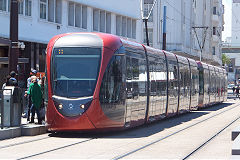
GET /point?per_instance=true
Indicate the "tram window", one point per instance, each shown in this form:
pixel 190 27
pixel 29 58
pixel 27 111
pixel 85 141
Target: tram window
pixel 135 68
pixel 129 70
pixel 111 86
pixel 173 78
pixel 142 81
pixel 75 71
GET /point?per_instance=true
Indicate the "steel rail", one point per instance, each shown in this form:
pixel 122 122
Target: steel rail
pixel 158 140
pixel 55 149
pixel 211 138
pixel 24 142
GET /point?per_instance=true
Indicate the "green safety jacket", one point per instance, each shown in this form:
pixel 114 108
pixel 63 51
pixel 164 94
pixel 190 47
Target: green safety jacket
pixel 36 94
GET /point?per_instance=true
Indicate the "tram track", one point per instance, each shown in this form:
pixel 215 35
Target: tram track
pixel 24 142
pixel 87 139
pixel 46 138
pixel 210 139
pixel 55 149
pixel 181 130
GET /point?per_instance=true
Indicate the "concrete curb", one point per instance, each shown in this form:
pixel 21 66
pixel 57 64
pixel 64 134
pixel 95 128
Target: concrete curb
pixel 24 130
pixel 10 133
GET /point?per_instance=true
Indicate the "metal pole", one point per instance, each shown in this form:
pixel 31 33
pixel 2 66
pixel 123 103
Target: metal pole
pixel 200 56
pixel 2 110
pixel 164 28
pixel 14 50
pixel 146 29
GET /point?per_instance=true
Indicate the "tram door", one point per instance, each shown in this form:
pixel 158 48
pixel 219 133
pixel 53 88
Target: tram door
pixel 136 87
pixel 129 91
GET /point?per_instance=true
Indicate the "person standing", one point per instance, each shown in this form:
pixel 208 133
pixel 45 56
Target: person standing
pixel 6 81
pixel 237 92
pixel 13 80
pixel 233 89
pixel 29 81
pixel 36 97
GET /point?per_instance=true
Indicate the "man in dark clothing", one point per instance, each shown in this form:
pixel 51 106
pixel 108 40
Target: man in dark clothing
pixel 233 89
pixel 13 80
pixel 237 91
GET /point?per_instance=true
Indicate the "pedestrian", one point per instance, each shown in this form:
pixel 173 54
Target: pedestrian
pixel 13 80
pixel 36 96
pixel 6 82
pixel 29 80
pixel 233 89
pixel 237 92
pixel 33 73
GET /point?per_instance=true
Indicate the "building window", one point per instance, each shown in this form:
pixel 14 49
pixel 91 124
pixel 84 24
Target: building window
pixel 24 6
pixel 71 14
pixel 134 26
pixel 101 21
pixel 125 27
pixel 96 20
pixel 118 25
pixel 43 9
pixel 214 10
pixel 58 11
pixel 108 22
pixel 77 15
pixel 51 10
pixel 129 28
pixel 150 36
pixel 147 8
pixel 214 30
pixel 28 7
pixel 3 5
pixel 213 50
pixel 20 7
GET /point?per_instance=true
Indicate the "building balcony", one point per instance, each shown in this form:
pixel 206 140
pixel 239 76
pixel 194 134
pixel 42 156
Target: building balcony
pixel 215 19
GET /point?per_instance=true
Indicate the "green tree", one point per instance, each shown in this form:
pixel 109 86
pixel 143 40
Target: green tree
pixel 225 59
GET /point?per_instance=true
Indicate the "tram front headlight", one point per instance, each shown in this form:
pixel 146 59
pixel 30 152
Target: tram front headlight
pixel 60 106
pixel 82 106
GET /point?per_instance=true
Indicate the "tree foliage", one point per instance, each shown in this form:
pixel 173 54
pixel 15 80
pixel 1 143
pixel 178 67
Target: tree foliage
pixel 225 59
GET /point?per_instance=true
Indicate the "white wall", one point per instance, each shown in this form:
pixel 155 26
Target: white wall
pixel 235 24
pixel 130 8
pixel 35 29
pixel 181 17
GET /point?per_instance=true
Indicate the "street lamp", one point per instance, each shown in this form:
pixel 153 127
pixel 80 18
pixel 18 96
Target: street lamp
pixel 145 19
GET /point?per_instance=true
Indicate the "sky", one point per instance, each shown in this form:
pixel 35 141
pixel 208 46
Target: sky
pixel 227 19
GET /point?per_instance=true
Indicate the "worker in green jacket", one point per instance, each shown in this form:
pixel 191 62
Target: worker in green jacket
pixel 36 96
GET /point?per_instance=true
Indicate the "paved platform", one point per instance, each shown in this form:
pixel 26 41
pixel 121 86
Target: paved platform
pixel 25 129
pixel 236 141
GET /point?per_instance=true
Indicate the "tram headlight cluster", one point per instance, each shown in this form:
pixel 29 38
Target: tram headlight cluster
pixel 71 107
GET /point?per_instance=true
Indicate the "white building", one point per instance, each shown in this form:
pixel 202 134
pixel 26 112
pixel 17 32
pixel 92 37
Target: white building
pixel 235 39
pixel 182 17
pixel 40 20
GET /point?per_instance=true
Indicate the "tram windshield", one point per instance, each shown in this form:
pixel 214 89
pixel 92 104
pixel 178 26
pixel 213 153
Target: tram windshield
pixel 75 71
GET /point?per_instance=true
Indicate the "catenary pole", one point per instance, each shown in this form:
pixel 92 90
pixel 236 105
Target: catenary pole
pixel 164 28
pixel 14 50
